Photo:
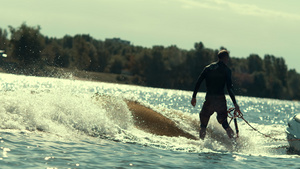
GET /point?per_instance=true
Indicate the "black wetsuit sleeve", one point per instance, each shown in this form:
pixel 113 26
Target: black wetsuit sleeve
pixel 199 81
pixel 230 86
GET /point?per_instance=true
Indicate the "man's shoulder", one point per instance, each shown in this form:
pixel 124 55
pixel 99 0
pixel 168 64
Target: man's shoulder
pixel 213 65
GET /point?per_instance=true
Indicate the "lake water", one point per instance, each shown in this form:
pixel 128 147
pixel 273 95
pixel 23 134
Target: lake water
pixel 58 123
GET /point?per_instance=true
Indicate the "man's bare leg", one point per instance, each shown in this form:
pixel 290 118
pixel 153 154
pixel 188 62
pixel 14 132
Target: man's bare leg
pixel 230 132
pixel 202 133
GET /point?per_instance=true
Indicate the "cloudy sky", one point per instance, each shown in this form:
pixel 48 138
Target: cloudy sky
pixel 242 26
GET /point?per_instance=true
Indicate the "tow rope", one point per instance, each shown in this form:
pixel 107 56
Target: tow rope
pixel 239 114
pixel 234 117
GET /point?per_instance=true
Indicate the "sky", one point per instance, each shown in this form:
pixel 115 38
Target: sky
pixel 244 27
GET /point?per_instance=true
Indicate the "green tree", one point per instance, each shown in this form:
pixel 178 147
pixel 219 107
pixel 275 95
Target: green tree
pixel 258 88
pixel 99 59
pixel 154 71
pixel 281 70
pixel 67 42
pixel 3 39
pixel 294 84
pixel 255 63
pixel 83 51
pixel 117 64
pixel 27 43
pixel 62 57
pixel 269 64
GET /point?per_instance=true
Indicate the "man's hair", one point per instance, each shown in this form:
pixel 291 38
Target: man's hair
pixel 222 54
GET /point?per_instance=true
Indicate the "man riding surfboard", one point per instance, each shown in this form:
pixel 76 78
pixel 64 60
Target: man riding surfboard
pixel 216 75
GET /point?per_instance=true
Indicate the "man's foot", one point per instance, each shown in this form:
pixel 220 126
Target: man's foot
pixel 202 133
pixel 230 132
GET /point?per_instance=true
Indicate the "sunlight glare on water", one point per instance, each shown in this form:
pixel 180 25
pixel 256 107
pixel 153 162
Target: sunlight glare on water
pixel 62 123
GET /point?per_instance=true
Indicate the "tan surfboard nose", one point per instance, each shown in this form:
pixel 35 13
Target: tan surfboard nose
pixel 154 122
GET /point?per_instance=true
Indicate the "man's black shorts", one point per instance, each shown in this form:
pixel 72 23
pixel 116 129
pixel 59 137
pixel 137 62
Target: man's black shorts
pixel 213 104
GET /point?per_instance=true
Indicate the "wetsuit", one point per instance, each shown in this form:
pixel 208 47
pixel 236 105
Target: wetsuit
pixel 216 75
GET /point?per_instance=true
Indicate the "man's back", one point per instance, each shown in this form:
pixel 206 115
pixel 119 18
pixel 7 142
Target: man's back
pixel 216 76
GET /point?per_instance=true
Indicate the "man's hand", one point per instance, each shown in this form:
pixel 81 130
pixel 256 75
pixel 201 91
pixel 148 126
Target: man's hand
pixel 193 101
pixel 237 108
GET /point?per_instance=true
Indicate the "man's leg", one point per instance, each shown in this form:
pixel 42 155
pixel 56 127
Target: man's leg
pixel 229 132
pixel 227 128
pixel 202 133
pixel 205 113
pixel 204 121
pixel 222 117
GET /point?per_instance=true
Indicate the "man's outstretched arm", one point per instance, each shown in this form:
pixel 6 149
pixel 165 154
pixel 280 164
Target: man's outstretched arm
pixel 199 81
pixel 230 91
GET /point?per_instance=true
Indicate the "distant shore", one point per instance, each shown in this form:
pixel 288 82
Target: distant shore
pixel 66 73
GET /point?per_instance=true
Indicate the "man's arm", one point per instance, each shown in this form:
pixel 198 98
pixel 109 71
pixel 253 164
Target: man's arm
pixel 199 81
pixel 230 90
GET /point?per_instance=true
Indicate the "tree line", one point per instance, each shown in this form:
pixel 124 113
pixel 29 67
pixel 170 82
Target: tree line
pixel 29 52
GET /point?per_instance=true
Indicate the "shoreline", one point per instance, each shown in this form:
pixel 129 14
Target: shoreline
pixel 65 73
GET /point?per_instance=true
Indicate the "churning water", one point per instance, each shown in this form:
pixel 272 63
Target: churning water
pixel 58 123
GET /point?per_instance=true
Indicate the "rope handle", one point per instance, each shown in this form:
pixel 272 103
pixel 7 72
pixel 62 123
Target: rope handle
pixel 233 116
pixel 239 114
pixel 236 114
